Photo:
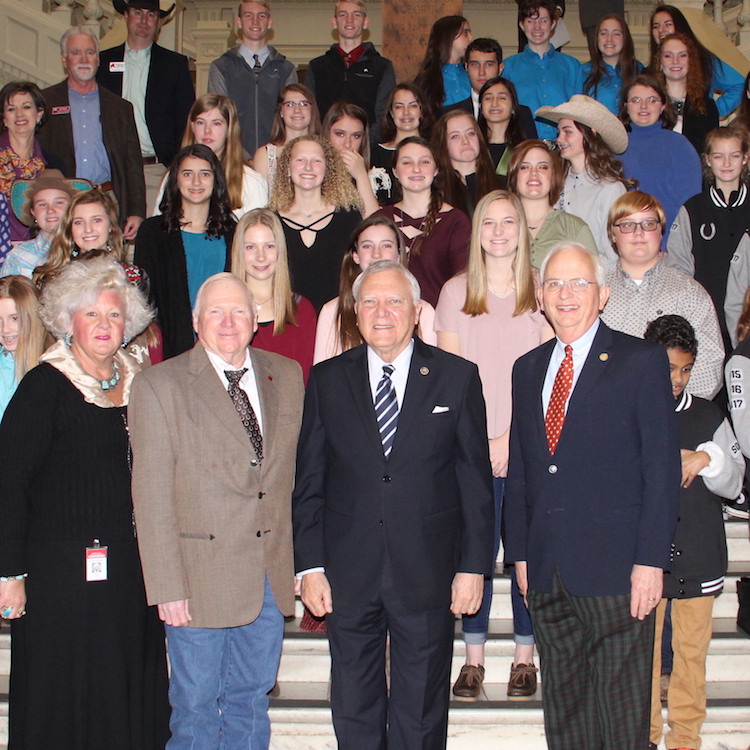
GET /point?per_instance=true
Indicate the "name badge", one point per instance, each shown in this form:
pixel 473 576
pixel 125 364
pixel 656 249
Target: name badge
pixel 96 562
pixel 61 110
pixel 117 66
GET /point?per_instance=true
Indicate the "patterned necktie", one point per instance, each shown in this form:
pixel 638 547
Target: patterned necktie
pixel 245 410
pixel 5 245
pixel 386 409
pixel 555 418
pixel 257 65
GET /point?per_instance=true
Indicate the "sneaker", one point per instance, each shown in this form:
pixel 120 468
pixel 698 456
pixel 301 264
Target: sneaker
pixel 738 508
pixel 522 682
pixel 469 683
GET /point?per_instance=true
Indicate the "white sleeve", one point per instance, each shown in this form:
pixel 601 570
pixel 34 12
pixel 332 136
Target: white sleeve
pixel 737 283
pixel 680 244
pixel 737 373
pixel 724 474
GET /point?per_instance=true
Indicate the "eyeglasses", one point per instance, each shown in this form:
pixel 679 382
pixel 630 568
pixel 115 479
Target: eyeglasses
pixel 647 225
pixel 577 286
pixel 650 100
pixel 304 104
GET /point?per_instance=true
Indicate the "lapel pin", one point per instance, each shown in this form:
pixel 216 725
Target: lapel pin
pixel 270 378
pixel 604 356
pixel 424 370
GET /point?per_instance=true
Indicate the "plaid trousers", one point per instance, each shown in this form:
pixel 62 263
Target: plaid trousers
pixel 596 670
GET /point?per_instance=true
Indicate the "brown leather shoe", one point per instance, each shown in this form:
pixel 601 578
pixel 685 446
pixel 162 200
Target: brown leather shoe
pixel 522 682
pixel 469 683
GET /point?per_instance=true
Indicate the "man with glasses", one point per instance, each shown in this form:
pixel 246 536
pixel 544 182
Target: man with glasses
pixel 252 74
pixel 352 70
pixel 591 504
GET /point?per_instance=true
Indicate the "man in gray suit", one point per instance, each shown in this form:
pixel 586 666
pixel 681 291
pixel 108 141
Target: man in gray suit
pixel 214 435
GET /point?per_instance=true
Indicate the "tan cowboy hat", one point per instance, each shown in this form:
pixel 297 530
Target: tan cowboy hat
pixel 23 191
pixel 588 111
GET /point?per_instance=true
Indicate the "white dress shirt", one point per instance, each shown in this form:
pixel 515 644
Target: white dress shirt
pixel 399 376
pixel 247 382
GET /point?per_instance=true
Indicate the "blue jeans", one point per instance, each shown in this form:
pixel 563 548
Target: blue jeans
pixel 475 626
pixel 219 682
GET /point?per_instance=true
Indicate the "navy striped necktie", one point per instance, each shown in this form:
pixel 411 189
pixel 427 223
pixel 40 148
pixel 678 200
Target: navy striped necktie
pixel 386 409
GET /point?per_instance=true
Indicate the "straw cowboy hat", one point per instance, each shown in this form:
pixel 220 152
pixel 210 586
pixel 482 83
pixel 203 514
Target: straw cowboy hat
pixel 588 111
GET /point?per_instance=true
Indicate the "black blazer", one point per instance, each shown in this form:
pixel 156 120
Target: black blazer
pixel 428 507
pixel 524 115
pixel 161 255
pixel 609 497
pixel 696 126
pixel 169 95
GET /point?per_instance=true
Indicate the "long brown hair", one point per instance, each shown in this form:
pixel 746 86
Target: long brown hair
pixel 454 190
pixel 338 111
pixel 347 333
pixel 63 249
pixel 31 334
pixel 556 175
pixel 232 158
pixel 426 117
pixel 284 302
pixel 278 129
pixel 697 85
pixel 627 65
pixel 476 269
pixel 600 162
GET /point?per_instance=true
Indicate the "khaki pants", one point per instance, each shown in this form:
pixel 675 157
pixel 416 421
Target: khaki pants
pixel 686 699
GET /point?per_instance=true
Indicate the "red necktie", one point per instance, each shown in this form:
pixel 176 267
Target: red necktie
pixel 555 418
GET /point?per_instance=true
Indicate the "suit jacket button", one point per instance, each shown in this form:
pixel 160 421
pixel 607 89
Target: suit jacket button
pixel 257 533
pixel 552 469
pixel 253 462
pixel 386 478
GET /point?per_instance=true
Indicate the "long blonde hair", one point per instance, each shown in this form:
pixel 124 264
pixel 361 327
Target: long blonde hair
pixel 32 337
pixel 233 156
pixel 62 248
pixel 284 302
pixel 476 270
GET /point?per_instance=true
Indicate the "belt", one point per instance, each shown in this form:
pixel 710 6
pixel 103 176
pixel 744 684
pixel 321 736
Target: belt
pixel 105 187
pixel 148 160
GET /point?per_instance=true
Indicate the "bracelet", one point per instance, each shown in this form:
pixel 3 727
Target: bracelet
pixel 5 579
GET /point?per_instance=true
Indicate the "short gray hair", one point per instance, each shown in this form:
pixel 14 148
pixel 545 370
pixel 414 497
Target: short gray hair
pixel 79 285
pixel 596 259
pixel 74 31
pixel 223 276
pixel 387 265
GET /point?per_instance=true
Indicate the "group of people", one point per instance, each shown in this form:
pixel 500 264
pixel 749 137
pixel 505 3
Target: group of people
pixel 369 330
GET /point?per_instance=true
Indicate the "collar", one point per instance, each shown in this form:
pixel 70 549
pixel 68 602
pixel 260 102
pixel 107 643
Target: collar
pixel 582 343
pixel 350 58
pixel 138 53
pixel 717 197
pixel 221 364
pixel 549 53
pixel 73 94
pixel 401 363
pixel 684 402
pixel 263 54
pixel 653 271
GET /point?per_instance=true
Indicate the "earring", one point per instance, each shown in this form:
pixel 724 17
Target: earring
pixel 67 338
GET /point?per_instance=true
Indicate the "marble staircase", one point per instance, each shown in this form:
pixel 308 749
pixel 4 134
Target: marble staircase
pixel 301 716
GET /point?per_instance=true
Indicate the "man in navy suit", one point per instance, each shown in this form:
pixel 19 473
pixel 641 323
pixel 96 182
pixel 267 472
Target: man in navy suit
pixel 393 516
pixel 591 505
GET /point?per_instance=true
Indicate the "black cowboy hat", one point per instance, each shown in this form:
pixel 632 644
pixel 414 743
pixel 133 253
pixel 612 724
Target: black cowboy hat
pixel 122 5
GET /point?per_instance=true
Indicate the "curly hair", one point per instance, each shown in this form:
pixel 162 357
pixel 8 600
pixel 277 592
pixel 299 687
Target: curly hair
pixel 220 218
pixel 721 134
pixel 24 87
pixel 426 116
pixel 668 117
pixel 476 269
pixel 697 85
pixel 672 332
pixel 556 165
pixel 430 77
pixel 278 129
pixel 79 285
pixel 514 132
pixel 232 157
pixel 63 249
pixel 681 26
pixel 31 333
pixel 627 65
pixel 284 299
pixel 337 189
pixel 454 189
pixel 599 160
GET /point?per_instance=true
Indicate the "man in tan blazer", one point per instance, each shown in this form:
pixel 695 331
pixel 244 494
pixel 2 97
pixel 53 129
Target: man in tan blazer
pixel 213 468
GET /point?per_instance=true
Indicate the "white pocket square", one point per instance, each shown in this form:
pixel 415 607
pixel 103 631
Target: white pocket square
pixel 440 409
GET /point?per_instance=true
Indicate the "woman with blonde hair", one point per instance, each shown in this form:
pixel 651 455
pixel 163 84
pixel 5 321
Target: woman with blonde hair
pixel 214 122
pixel 22 335
pixel 319 207
pixel 286 321
pixel 376 238
pixel 489 315
pixel 296 114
